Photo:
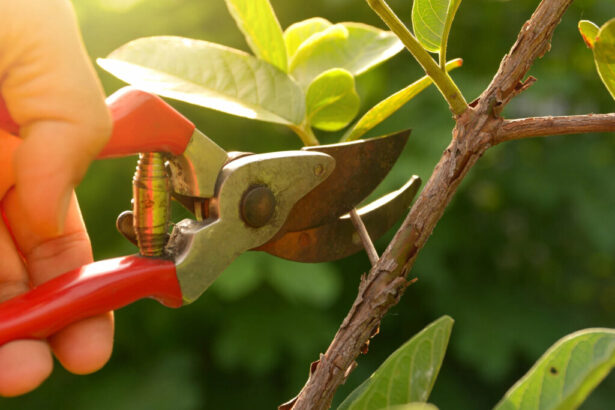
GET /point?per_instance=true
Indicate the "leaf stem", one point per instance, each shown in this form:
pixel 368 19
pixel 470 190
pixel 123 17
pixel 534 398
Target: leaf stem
pixel 442 56
pixel 441 79
pixel 443 48
pixel 453 6
pixel 304 131
pixel 385 108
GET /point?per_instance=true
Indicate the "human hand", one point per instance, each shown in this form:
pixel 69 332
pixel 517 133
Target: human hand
pixel 52 93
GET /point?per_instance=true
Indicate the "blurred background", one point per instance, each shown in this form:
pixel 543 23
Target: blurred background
pixel 524 255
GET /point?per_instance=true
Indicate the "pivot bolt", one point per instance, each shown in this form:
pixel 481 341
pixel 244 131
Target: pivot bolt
pixel 257 206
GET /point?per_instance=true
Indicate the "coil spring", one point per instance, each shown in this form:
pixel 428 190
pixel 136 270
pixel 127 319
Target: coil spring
pixel 151 205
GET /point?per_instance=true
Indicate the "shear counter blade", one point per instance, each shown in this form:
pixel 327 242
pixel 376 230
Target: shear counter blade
pixel 339 239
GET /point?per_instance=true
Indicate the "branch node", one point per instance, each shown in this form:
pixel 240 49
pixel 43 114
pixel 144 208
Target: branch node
pixel 522 86
pixel 365 347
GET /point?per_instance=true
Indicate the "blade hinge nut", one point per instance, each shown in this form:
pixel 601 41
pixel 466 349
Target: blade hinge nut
pixel 257 206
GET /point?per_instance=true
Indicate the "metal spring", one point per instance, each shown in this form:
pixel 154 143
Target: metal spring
pixel 151 206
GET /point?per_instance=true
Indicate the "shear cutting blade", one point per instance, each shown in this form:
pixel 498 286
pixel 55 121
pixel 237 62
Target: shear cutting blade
pixel 360 166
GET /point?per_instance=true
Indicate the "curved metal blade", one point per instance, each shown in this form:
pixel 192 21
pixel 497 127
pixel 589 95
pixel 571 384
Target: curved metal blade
pixel 339 239
pixel 360 166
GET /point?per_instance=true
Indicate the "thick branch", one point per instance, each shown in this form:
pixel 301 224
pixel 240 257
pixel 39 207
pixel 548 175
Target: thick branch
pixel 547 126
pixel 476 130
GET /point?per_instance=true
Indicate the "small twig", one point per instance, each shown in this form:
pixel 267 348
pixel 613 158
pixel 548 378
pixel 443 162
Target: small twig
pixel 546 126
pixel 370 249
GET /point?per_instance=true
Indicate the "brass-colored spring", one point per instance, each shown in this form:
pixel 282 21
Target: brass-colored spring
pixel 151 205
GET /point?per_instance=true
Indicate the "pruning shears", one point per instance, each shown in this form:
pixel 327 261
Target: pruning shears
pixel 291 204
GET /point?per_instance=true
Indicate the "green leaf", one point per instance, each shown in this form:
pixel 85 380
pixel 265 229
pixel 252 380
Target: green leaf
pixel 589 32
pixel 355 47
pixel 408 375
pixel 565 375
pixel 209 75
pixel 331 100
pixel 297 33
pixel 604 55
pixel 412 406
pixel 385 108
pixel 432 20
pixel 258 23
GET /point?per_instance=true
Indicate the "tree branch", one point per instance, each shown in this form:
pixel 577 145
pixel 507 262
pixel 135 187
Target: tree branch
pixel 476 131
pixel 546 126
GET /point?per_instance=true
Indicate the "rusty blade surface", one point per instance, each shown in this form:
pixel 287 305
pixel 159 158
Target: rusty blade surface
pixel 360 166
pixel 339 239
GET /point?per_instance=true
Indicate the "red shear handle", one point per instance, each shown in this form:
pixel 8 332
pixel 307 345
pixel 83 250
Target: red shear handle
pixel 90 290
pixel 142 122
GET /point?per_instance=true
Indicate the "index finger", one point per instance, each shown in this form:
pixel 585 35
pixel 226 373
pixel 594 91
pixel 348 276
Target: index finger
pixel 52 92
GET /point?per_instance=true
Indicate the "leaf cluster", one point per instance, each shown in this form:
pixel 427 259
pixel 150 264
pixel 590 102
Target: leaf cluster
pixel 302 77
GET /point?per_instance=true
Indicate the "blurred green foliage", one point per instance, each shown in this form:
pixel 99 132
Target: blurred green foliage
pixel 524 254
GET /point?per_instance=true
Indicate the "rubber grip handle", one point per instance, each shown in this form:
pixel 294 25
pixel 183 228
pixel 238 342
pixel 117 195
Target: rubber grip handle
pixel 90 290
pixel 142 122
